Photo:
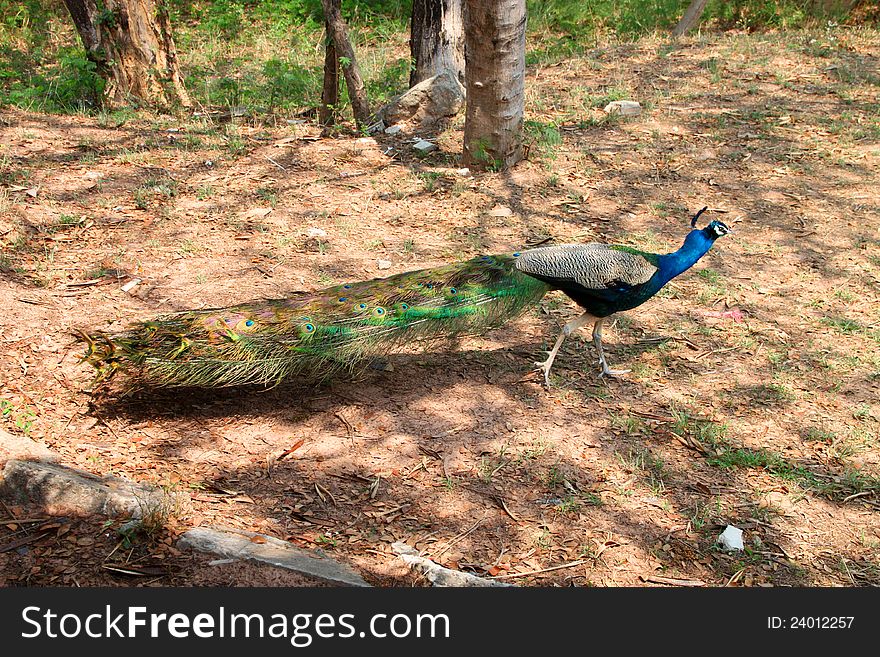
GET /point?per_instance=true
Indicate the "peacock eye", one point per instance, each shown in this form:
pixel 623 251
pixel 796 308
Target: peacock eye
pixel 404 306
pixel 362 306
pixel 517 254
pixel 379 311
pixel 249 322
pixel 342 299
pixel 452 290
pixel 309 328
pixel 346 287
pixel 430 286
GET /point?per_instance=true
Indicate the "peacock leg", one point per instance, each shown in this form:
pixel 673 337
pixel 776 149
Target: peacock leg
pixel 597 340
pixel 567 330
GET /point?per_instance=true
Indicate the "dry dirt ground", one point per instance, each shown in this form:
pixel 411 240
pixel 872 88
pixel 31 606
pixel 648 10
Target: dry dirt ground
pixel 753 396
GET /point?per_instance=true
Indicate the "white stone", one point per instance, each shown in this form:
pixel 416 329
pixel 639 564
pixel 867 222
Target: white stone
pixel 393 129
pixel 500 211
pixel 383 264
pixel 439 575
pixel 240 544
pixel 316 232
pixel 424 146
pixel 731 539
pixel 623 108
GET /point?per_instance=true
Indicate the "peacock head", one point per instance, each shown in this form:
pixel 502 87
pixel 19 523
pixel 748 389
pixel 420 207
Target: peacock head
pixel 717 229
pixel 714 230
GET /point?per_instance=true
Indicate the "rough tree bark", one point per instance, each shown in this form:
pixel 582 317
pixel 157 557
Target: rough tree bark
pixel 330 91
pixel 436 39
pixel 495 45
pixel 131 45
pixel 357 91
pixel 691 17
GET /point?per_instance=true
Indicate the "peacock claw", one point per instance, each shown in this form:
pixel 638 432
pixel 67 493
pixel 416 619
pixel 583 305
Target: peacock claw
pixel 544 366
pixel 609 372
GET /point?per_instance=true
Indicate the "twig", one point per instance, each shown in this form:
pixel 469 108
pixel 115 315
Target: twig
pixel 657 579
pixel 348 428
pixel 855 495
pixel 456 539
pixel 571 564
pixel 275 163
pixel 23 541
pixel 503 505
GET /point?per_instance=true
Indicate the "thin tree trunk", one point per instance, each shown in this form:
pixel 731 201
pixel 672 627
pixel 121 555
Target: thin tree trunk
pixel 691 17
pixel 357 91
pixel 330 92
pixel 436 39
pixel 131 45
pixel 495 36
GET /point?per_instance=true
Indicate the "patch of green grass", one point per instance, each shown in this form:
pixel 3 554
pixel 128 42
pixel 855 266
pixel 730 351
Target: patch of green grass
pixel 819 434
pixel 161 189
pixel 700 429
pixel 430 180
pixel 543 137
pixel 643 460
pixel 267 194
pixel 22 418
pixel 554 477
pixel 843 325
pixel 631 425
pixel 770 394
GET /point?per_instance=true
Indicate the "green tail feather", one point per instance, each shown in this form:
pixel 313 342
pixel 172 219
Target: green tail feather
pixel 313 336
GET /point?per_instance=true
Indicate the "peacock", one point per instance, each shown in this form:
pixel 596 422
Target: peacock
pixel 314 335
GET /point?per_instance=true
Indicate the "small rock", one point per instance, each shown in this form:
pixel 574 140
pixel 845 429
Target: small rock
pixel 366 141
pixel 21 447
pixel 62 490
pixel 431 102
pixel 257 213
pixel 731 539
pixel 423 146
pixel 239 544
pixel 130 285
pixel 623 108
pixel 316 232
pixel 464 172
pixel 439 575
pixel 500 211
pixel 383 264
pixel 393 129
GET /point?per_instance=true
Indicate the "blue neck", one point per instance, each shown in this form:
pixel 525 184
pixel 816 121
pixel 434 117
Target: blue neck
pixel 695 246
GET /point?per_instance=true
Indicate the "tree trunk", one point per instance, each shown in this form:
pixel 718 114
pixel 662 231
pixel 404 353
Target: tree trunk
pixel 330 91
pixel 357 92
pixel 691 17
pixel 436 39
pixel 131 45
pixel 495 44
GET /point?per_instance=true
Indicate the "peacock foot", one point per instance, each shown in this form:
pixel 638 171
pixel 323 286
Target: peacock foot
pixel 607 371
pixel 544 366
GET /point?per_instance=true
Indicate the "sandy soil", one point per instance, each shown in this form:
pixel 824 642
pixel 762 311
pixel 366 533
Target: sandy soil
pixel 753 396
